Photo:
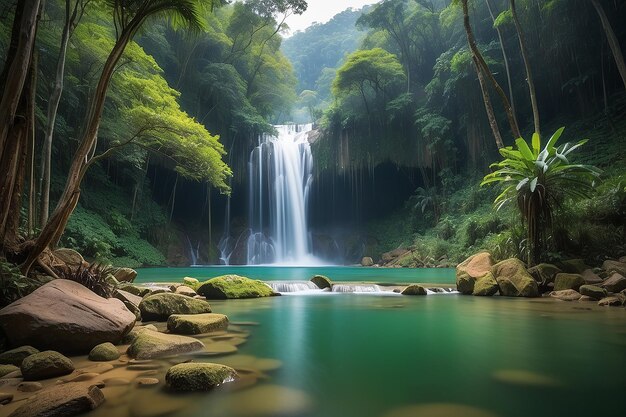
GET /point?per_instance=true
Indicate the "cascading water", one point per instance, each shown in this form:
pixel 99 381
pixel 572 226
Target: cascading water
pixel 280 176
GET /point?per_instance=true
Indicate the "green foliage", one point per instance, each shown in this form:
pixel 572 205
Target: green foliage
pixel 538 180
pixel 96 277
pixel 13 285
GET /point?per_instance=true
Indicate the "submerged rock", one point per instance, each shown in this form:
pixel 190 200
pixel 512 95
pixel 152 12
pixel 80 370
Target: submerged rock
pixel 234 286
pixel 196 323
pixel 615 283
pixel 17 355
pixel 513 279
pixel 593 291
pixel 468 271
pixel 44 365
pixel 104 352
pixel 270 400
pixel 414 289
pixel 64 400
pixel 150 344
pixel 65 316
pixel 525 378
pixel 190 377
pixel 322 281
pixel 159 307
pixel 566 295
pixel 486 285
pixel 564 281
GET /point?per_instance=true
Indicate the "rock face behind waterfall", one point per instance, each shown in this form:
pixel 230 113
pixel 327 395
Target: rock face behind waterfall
pixel 65 316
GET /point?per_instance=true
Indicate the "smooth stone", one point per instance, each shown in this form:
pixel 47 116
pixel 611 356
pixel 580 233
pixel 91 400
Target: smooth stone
pixel 104 352
pixel 615 283
pixel 45 365
pixel 144 366
pixel 191 282
pixel 486 285
pixel 322 281
pixel 439 410
pixel 468 271
pixel 565 281
pixel 87 376
pixel 29 386
pixel 116 382
pixel 233 287
pixel 125 275
pixel 5 398
pixel 614 267
pixel 566 295
pixel 525 378
pixel 190 377
pixel 514 280
pixel 99 368
pixel 13 374
pixel 367 261
pixel 69 257
pixel 150 344
pixel 593 291
pixel 147 382
pixel 159 307
pixel 414 289
pixel 64 400
pixel 612 301
pixel 65 316
pixel 196 323
pixel 17 355
pixel 186 291
pixel 590 277
pixel 8 369
pixel 270 400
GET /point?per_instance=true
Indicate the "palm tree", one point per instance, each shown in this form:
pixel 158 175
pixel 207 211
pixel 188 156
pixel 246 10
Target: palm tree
pixel 128 17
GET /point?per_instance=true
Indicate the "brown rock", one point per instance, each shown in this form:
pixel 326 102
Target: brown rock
pixel 474 267
pixel 565 281
pixel 64 315
pixel 614 266
pixel 566 295
pixel 367 261
pixel 617 300
pixel 615 283
pixel 591 277
pixel 64 400
pixel 514 280
pixel 125 275
pixel 29 386
pixel 70 257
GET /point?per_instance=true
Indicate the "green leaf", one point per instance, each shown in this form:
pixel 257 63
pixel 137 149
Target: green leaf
pixel 524 149
pixel 553 139
pixel 533 184
pixel 536 144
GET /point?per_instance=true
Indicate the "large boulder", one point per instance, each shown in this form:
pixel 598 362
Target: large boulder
pixel 544 273
pixel 564 281
pixel 574 266
pixel 159 307
pixel 593 291
pixel 17 355
pixel 414 289
pixel 234 286
pixel 69 257
pixel 44 365
pixel 189 377
pixel 474 267
pixel 615 283
pixel 322 281
pixel 513 279
pixel 367 261
pixel 131 301
pixel 486 285
pixel 614 266
pixel 196 323
pixel 65 400
pixel 150 344
pixel 591 277
pixel 65 316
pixel 125 275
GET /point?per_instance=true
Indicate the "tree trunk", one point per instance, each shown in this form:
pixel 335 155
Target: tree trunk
pixel 505 59
pixel 485 69
pixel 612 39
pixel 493 123
pixel 529 74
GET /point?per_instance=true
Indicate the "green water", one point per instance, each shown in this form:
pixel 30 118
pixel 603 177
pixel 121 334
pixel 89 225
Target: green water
pixel 274 273
pixel 362 356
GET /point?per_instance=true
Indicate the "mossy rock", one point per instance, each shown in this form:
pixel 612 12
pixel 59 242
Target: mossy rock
pixel 565 281
pixel 574 266
pixel 46 364
pixel 135 290
pixel 150 344
pixel 468 271
pixel 514 280
pixel 193 377
pixel 322 281
pixel 7 369
pixel 160 306
pixel 17 355
pixel 544 273
pixel 414 289
pixel 191 283
pixel 233 287
pixel 593 291
pixel 196 323
pixel 486 285
pixel 104 352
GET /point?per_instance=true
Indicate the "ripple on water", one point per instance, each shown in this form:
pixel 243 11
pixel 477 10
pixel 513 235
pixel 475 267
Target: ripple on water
pixel 439 410
pixel 525 378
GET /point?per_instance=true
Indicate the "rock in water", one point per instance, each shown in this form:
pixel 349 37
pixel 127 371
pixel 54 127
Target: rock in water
pixel 234 286
pixel 367 261
pixel 64 400
pixel 468 271
pixel 185 290
pixel 44 365
pixel 513 279
pixel 17 355
pixel 196 323
pixel 414 289
pixel 566 295
pixel 322 282
pixel 150 344
pixel 104 352
pixel 486 285
pixel 593 291
pixel 65 316
pixel 565 281
pixel 125 275
pixel 544 273
pixel 160 306
pixel 190 377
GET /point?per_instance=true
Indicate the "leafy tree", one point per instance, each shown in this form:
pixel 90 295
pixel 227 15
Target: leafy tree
pixel 538 180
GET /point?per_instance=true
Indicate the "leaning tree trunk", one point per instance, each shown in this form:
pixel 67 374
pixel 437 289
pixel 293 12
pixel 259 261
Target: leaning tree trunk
pixel 493 123
pixel 529 74
pixel 14 120
pixel 477 56
pixel 612 39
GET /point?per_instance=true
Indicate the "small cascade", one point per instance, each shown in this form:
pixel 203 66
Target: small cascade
pixel 292 286
pixel 439 290
pixel 372 288
pixel 194 253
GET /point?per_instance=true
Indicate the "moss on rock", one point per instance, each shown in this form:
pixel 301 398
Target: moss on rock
pixel 232 287
pixel 565 281
pixel 544 273
pixel 414 289
pixel 7 369
pixel 104 352
pixel 160 306
pixel 46 364
pixel 486 285
pixel 468 271
pixel 593 291
pixel 322 281
pixel 191 377
pixel 17 355
pixel 196 323
pixel 513 279
pixel 150 344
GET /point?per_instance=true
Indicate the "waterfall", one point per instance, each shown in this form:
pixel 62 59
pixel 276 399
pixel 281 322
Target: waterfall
pixel 292 286
pixel 356 288
pixel 280 177
pixel 194 253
